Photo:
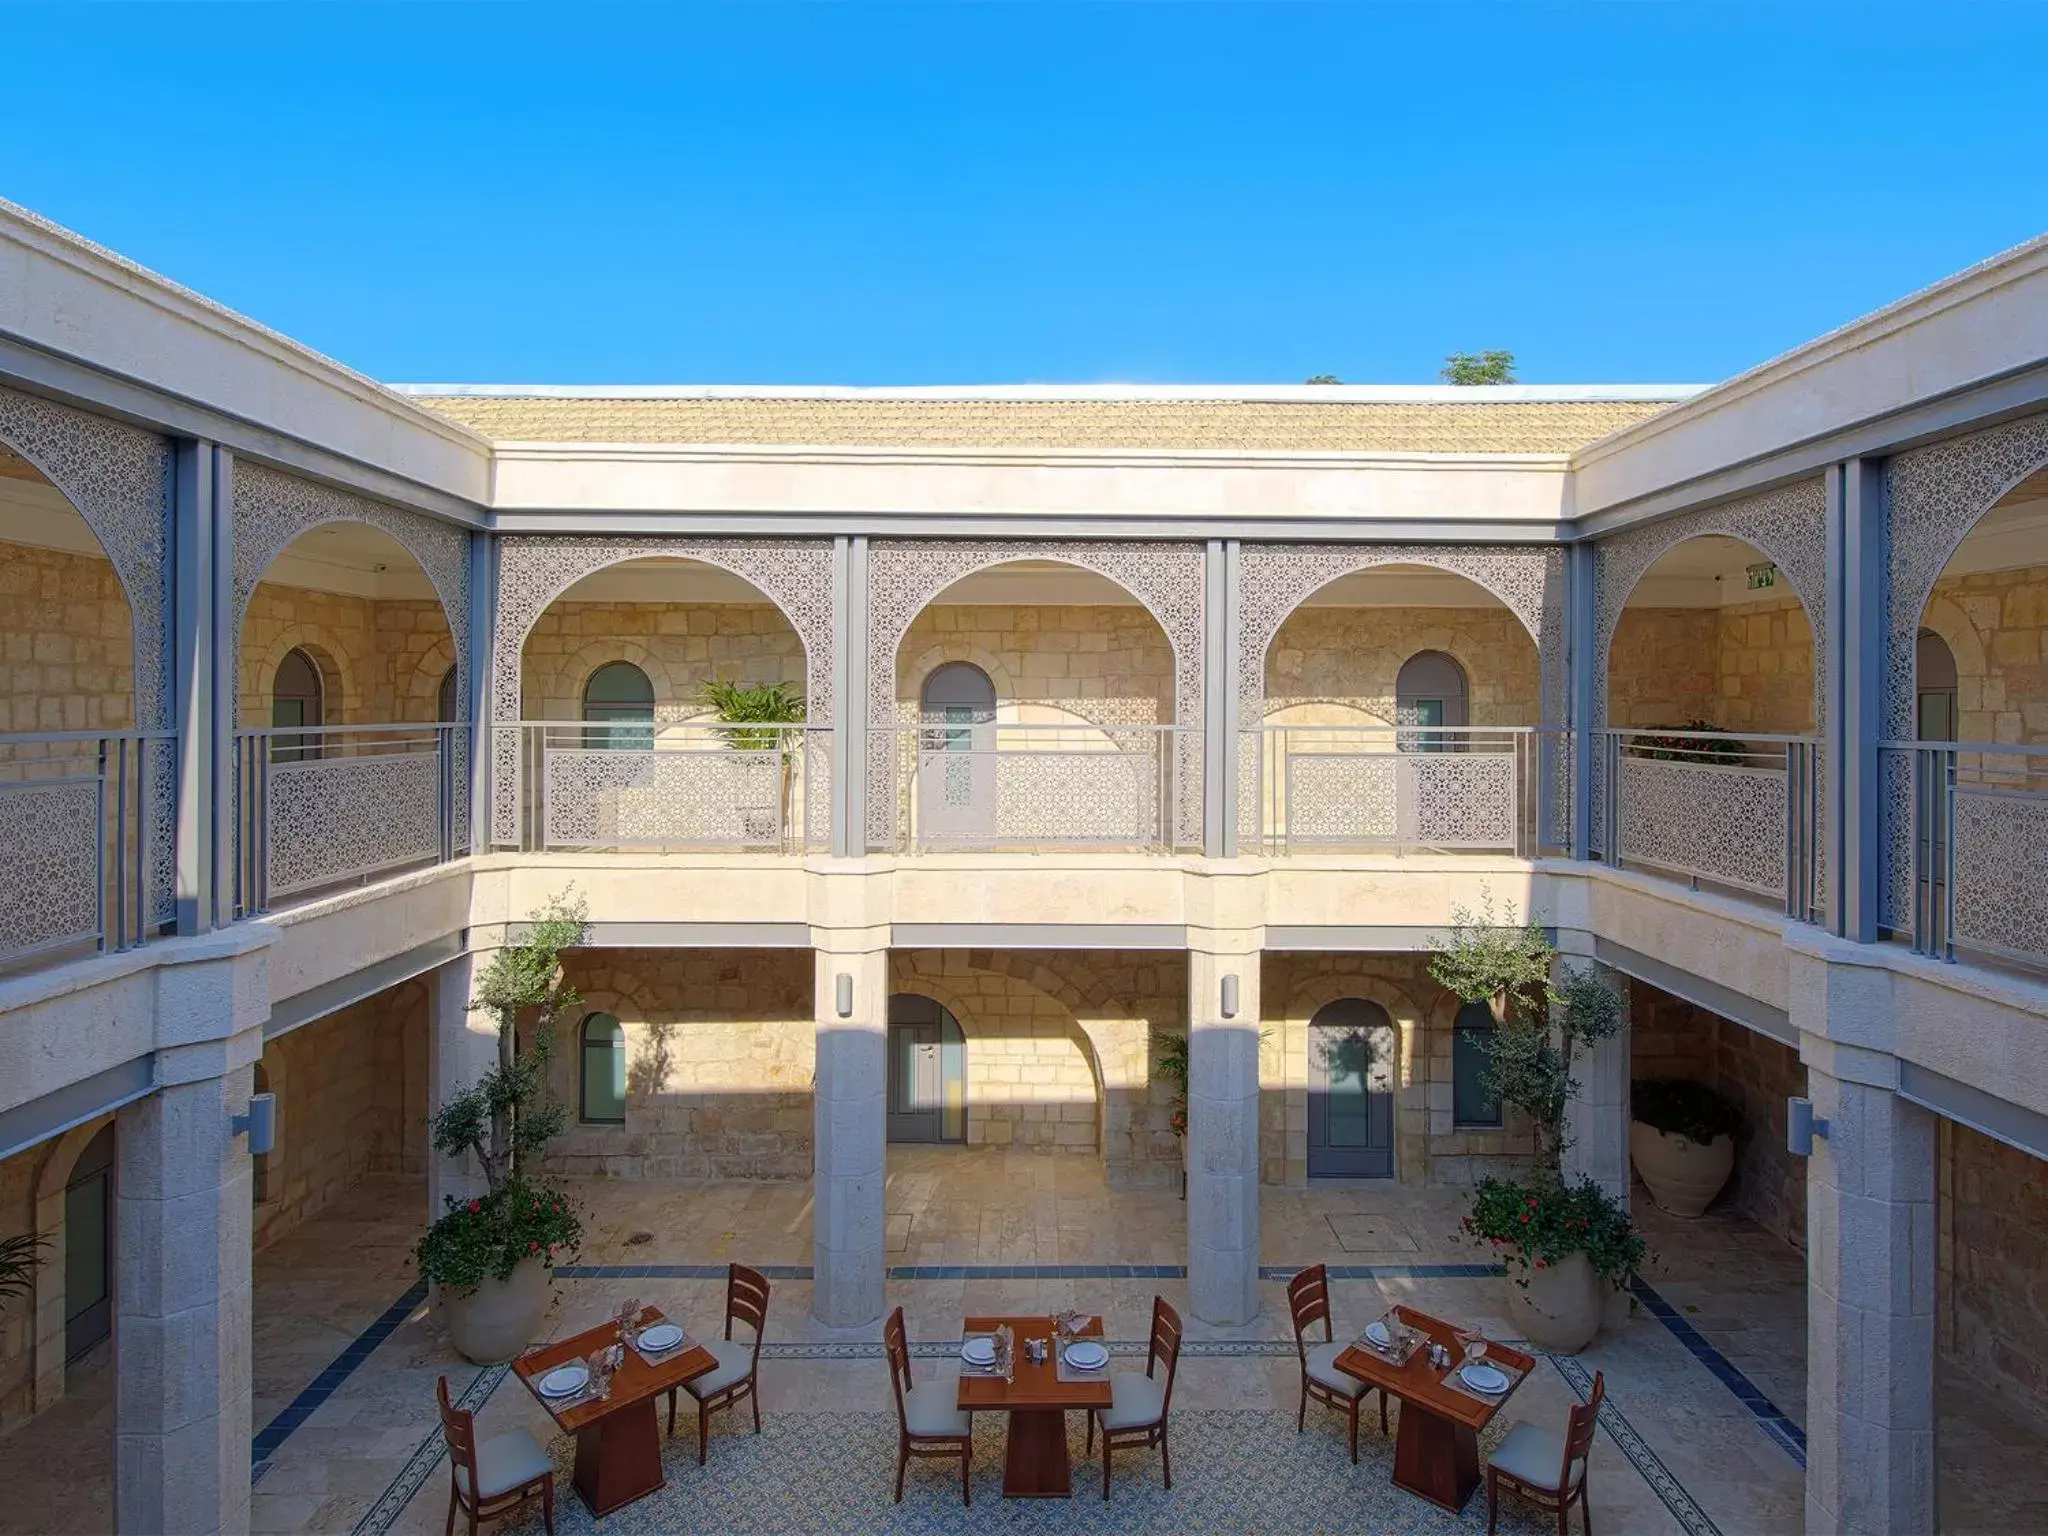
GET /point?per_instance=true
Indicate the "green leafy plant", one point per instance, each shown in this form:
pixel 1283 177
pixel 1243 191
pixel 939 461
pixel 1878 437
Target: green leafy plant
pixel 19 1259
pixel 1173 1066
pixel 1322 378
pixel 507 1117
pixel 1478 368
pixel 1534 1226
pixel 1696 741
pixel 1680 1107
pixel 754 711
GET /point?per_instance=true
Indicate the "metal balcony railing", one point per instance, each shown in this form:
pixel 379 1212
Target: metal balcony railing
pixel 683 785
pixel 996 786
pixel 320 807
pixel 1964 847
pixel 1737 812
pixel 86 832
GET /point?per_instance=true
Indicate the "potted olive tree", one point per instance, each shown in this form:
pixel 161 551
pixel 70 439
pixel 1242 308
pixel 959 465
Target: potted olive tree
pixel 1681 1137
pixel 1565 1243
pixel 491 1259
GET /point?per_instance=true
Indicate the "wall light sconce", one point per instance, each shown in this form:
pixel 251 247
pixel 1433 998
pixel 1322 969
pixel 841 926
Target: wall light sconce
pixel 842 994
pixel 1801 1126
pixel 260 1124
pixel 1230 995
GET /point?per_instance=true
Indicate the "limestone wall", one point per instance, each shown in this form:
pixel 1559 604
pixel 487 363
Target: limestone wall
pixel 720 1057
pixel 1746 667
pixel 1996 626
pixel 32 1181
pixel 1338 666
pixel 1992 1304
pixel 379 660
pixel 66 643
pixel 679 646
pixel 1091 663
pixel 18 1315
pixel 351 1100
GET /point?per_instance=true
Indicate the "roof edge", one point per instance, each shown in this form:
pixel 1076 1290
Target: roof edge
pixel 1291 394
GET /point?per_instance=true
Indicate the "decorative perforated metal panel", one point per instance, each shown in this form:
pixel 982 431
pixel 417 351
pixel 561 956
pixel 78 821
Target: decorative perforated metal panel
pixel 337 818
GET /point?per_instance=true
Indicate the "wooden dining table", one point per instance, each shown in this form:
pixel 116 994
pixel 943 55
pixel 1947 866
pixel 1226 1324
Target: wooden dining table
pixel 1436 1449
pixel 1035 1461
pixel 618 1436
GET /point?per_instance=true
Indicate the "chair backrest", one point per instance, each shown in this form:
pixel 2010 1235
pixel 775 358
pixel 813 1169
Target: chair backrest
pixel 896 1343
pixel 746 1299
pixel 1578 1434
pixel 458 1428
pixel 1166 1331
pixel 1308 1298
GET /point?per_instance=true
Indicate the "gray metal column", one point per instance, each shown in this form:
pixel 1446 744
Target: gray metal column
pixel 1853 691
pixel 1582 686
pixel 203 695
pixel 850 696
pixel 1221 614
pixel 483 623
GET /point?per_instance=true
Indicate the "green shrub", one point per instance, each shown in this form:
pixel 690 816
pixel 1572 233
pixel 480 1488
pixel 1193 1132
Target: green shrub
pixel 491 1234
pixel 1680 1107
pixel 1532 1226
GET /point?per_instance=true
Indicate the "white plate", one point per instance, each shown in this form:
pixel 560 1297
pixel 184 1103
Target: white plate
pixel 979 1351
pixel 563 1381
pixel 1087 1355
pixel 1483 1378
pixel 661 1336
pixel 1377 1332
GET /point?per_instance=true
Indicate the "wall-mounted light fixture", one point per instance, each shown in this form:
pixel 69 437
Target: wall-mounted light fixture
pixel 1801 1126
pixel 842 994
pixel 259 1125
pixel 1230 995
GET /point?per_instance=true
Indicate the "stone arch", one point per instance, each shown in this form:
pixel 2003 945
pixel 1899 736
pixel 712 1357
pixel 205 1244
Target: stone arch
pixel 339 684
pixel 912 675
pixel 1949 621
pixel 795 575
pixel 905 575
pixel 51 1179
pixel 419 694
pixel 580 665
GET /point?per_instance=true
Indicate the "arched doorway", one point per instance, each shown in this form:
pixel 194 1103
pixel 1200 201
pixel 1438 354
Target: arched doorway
pixel 1353 1067
pixel 956 772
pixel 927 1092
pixel 619 697
pixel 298 702
pixel 89 1246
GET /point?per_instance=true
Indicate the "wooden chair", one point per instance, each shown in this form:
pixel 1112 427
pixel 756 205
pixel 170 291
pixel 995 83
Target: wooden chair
pixel 1136 1415
pixel 1547 1471
pixel 500 1477
pixel 927 1423
pixel 733 1378
pixel 1308 1298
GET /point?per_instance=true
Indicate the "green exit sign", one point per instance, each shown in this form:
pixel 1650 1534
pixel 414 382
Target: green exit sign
pixel 1761 576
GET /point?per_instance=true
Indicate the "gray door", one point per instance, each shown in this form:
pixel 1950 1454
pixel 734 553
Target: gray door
pixel 956 766
pixel 927 1072
pixel 1352 1053
pixel 88 1246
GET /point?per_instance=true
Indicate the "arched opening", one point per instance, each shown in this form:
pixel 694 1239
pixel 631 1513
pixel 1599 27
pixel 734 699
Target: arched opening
pixel 1061 688
pixel 1353 1073
pixel 75 766
pixel 1707 765
pixel 1934 688
pixel 698 681
pixel 447 701
pixel 1332 763
pixel 601 1094
pixel 89 1246
pixel 1475 1101
pixel 342 775
pixel 927 1082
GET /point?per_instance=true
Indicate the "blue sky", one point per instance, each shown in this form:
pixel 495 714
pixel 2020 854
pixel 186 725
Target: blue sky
pixel 868 194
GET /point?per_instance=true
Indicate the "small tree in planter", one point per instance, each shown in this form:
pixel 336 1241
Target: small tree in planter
pixel 1682 1140
pixel 1173 1066
pixel 756 717
pixel 1566 1240
pixel 492 1256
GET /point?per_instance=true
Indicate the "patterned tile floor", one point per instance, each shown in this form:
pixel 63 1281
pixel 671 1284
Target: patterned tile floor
pixel 1679 1452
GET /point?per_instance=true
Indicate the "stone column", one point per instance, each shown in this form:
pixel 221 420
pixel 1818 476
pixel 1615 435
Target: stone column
pixel 461 1047
pixel 1223 1128
pixel 1596 1117
pixel 848 1169
pixel 1869 1301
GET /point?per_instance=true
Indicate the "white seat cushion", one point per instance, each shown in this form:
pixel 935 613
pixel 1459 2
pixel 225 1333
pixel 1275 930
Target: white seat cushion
pixel 1322 1369
pixel 505 1462
pixel 1135 1401
pixel 932 1409
pixel 735 1359
pixel 1532 1456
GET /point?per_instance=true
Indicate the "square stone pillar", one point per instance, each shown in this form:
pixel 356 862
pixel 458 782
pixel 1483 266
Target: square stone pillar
pixel 848 1239
pixel 1596 1117
pixel 1223 1130
pixel 182 1308
pixel 461 1047
pixel 1870 1270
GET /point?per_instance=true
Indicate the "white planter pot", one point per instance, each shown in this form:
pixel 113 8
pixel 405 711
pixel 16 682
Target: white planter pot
pixel 1683 1176
pixel 496 1320
pixel 1559 1310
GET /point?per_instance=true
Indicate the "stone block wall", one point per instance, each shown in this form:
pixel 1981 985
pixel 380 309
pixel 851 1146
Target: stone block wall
pixel 720 1058
pixel 379 660
pixel 1996 626
pixel 66 643
pixel 1338 666
pixel 18 1176
pixel 1745 667
pixel 680 646
pixel 1991 1311
pixel 1096 664
pixel 351 1101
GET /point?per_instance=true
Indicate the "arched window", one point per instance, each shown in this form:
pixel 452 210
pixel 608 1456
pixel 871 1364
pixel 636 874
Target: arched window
pixel 1474 1101
pixel 604 1071
pixel 619 692
pixel 446 705
pixel 959 693
pixel 296 699
pixel 1430 690
pixel 1934 686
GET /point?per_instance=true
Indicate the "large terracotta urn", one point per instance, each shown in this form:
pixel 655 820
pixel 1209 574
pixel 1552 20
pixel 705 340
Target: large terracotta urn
pixel 1560 1307
pixel 496 1320
pixel 1683 1176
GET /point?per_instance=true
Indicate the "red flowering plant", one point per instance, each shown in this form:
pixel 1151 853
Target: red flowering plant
pixel 504 1120
pixel 1533 1226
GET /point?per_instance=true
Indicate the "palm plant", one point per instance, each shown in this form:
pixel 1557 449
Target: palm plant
pixel 19 1257
pixel 756 717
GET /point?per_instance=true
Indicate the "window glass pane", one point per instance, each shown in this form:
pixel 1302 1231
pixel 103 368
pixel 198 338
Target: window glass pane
pixel 619 691
pixel 1473 1100
pixel 604 1070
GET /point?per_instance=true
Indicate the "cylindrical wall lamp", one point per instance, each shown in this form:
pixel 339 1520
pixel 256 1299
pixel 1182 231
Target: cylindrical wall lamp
pixel 1230 995
pixel 842 994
